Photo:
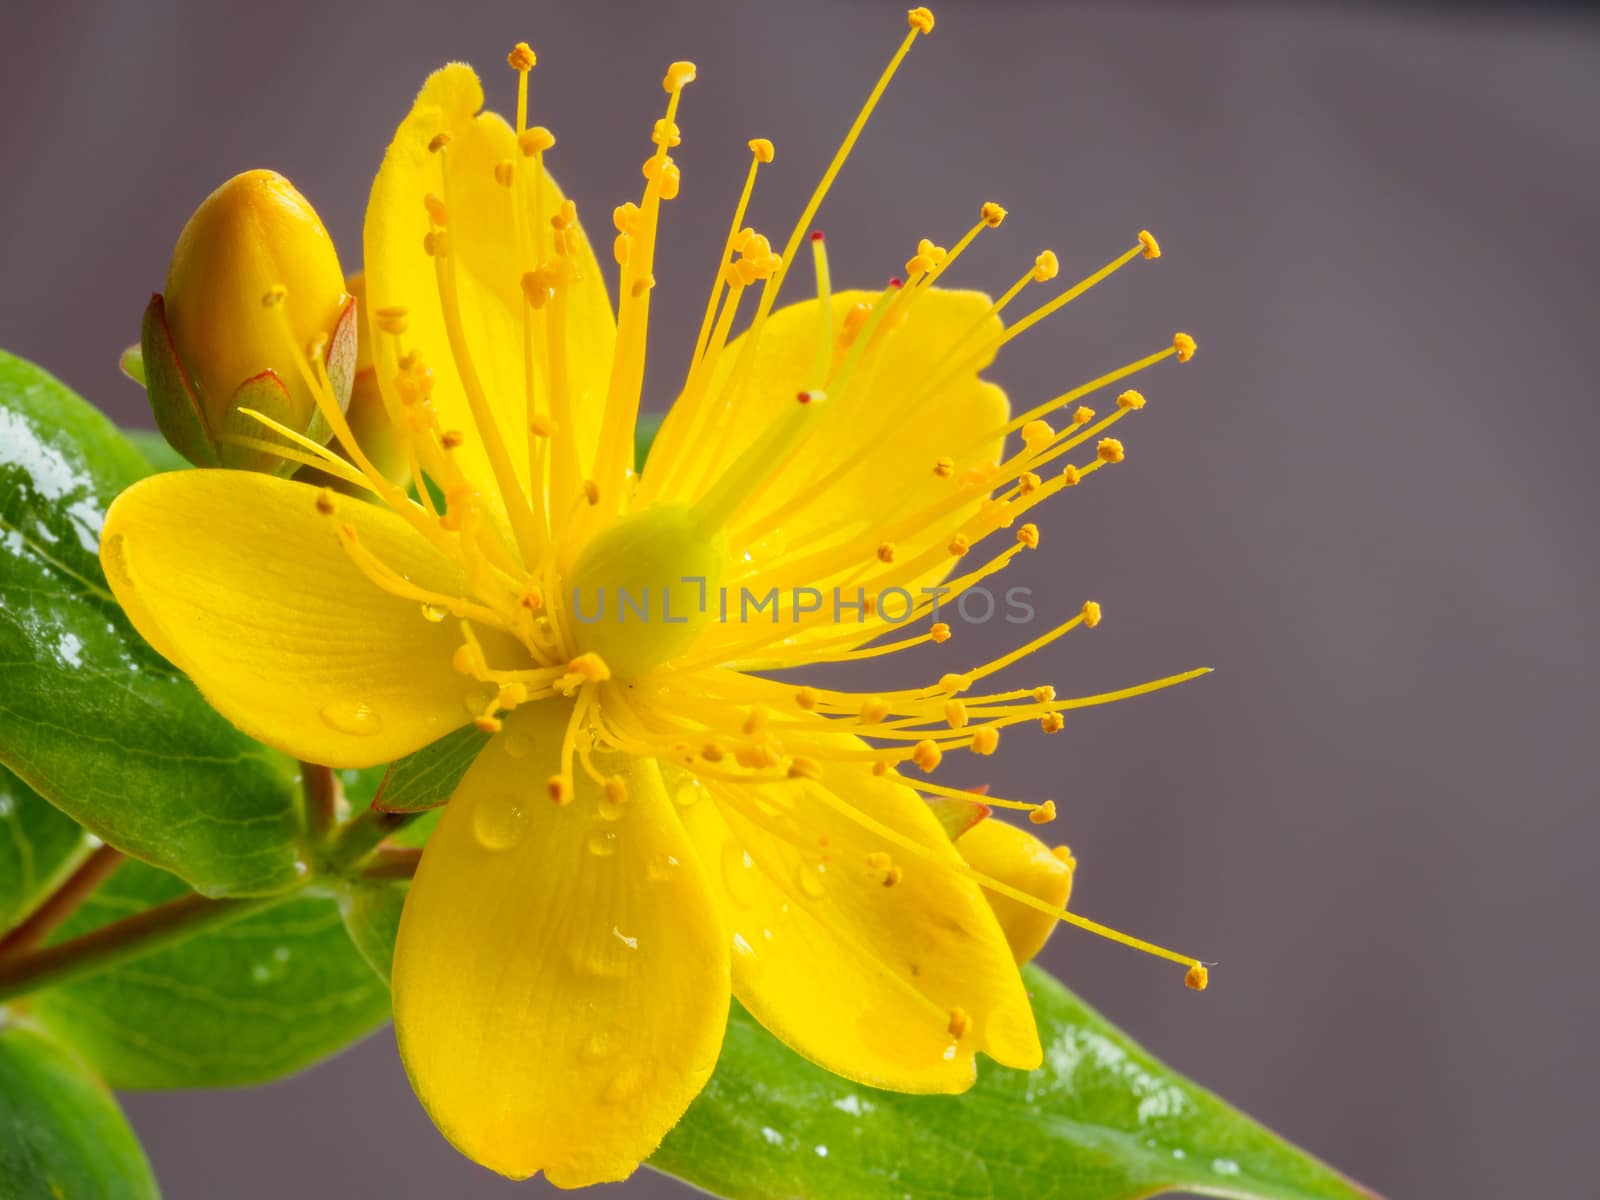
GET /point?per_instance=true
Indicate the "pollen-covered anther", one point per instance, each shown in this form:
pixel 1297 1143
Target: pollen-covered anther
pixel 522 57
pixel 1091 614
pixel 1197 978
pixel 1044 694
pixel 617 790
pixel 764 152
pixel 451 438
pixel 488 724
pixel 713 752
pixel 952 684
pixel 1028 536
pixel 755 721
pixel 955 714
pixel 944 467
pixel 535 140
pixel 985 739
pixel 1070 476
pixel 532 599
pixel 806 698
pixel 1147 241
pixel 559 789
pixel 873 710
pixel 992 214
pixel 1184 345
pixel 1046 266
pixel 814 396
pixel 1044 813
pixel 1131 399
pixel 886 552
pixel 392 318
pixel 927 755
pixel 1027 483
pixel 1082 416
pixel 920 19
pixel 542 426
pixel 1064 855
pixel 678 76
pixel 436 243
pixel 892 876
pixel 878 860
pixel 805 768
pixel 591 666
pixel 1109 450
pixel 959 1023
pixel 959 545
pixel 437 212
pixel 625 217
pixel 918 264
pixel 1052 722
pixel 325 501
pixel 438 142
pixel 666 133
pixel 939 633
pixel 274 296
pixel 1037 433
pixel 504 172
pixel 591 492
pixel 468 660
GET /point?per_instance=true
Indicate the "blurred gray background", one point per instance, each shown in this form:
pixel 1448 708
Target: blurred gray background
pixel 1367 502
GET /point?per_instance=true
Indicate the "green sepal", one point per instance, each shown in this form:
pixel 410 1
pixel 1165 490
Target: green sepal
pixel 173 397
pixel 62 1136
pixel 266 394
pixel 957 815
pixel 131 363
pixel 340 363
pixel 428 778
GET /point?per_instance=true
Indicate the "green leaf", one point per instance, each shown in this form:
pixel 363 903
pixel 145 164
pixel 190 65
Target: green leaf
pixel 1101 1120
pixel 62 1136
pixel 371 912
pixel 91 717
pixel 155 450
pixel 247 1002
pixel 644 436
pixel 39 846
pixel 427 778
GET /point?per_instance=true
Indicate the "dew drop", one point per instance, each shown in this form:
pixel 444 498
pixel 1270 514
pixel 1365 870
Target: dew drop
pixel 600 964
pixel 627 1083
pixel 433 613
pixel 602 843
pixel 610 810
pixel 811 881
pixel 352 717
pixel 689 792
pixel 499 821
pixel 515 745
pixel 662 867
pixel 738 872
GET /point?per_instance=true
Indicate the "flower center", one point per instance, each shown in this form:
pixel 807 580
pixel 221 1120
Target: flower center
pixel 640 590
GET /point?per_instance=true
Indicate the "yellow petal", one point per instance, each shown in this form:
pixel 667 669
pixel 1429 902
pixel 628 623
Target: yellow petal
pixel 872 982
pixel 1014 856
pixel 896 428
pixel 561 974
pixel 399 273
pixel 242 583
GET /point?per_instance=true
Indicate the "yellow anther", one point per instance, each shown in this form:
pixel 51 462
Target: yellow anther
pixel 712 752
pixel 504 172
pixel 934 254
pixel 939 633
pixel 960 1022
pixel 1044 694
pixel 1052 722
pixel 488 724
pixel 880 768
pixel 325 501
pixel 873 710
pixel 1027 483
pixel 538 286
pixel 622 248
pixel 992 214
pixel 959 545
pixel 392 319
pixel 438 142
pixel 985 739
pixel 1184 345
pixel 944 467
pixel 1131 399
pixel 1028 536
pixel 1091 614
pixel 886 552
pixel 1109 450
pixel 617 790
pixel 927 755
pixel 806 698
pixel 535 141
pixel 953 684
pixel 1070 476
pixel 625 217
pixel 1197 978
pixel 522 57
pixel 1063 855
pixel 451 438
pixel 805 768
pixel 437 212
pixel 435 243
pixel 666 133
pixel 920 19
pixel 591 666
pixel 1082 416
pixel 467 660
pixel 559 789
pixel 878 860
pixel 755 720
pixel 1037 433
pixel 679 74
pixel 892 876
pixel 566 216
pixel 955 714
pixel 541 426
pixel 532 599
pixel 1046 267
pixel 918 264
pixel 1044 814
pixel 273 296
pixel 762 149
pixel 591 491
pixel 1152 248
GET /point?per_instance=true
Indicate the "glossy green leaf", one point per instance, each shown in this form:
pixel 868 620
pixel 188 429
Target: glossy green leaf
pixel 243 1003
pixel 1101 1120
pixel 39 846
pixel 91 717
pixel 371 912
pixel 62 1136
pixel 427 778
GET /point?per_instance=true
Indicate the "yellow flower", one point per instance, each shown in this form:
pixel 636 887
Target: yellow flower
pixel 657 820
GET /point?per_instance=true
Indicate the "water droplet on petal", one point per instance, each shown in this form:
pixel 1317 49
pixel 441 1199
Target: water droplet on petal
pixel 738 872
pixel 811 881
pixel 603 1044
pixel 515 745
pixel 662 867
pixel 627 1083
pixel 602 843
pixel 610 810
pixel 352 717
pixel 433 613
pixel 601 963
pixel 499 821
pixel 689 792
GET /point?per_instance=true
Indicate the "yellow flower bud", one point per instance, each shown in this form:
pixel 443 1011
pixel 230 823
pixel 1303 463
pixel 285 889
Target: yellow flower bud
pixel 224 346
pixel 1014 856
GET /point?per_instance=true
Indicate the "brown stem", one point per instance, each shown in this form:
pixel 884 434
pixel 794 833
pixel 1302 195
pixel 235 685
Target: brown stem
pixel 322 797
pixel 61 903
pixel 393 862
